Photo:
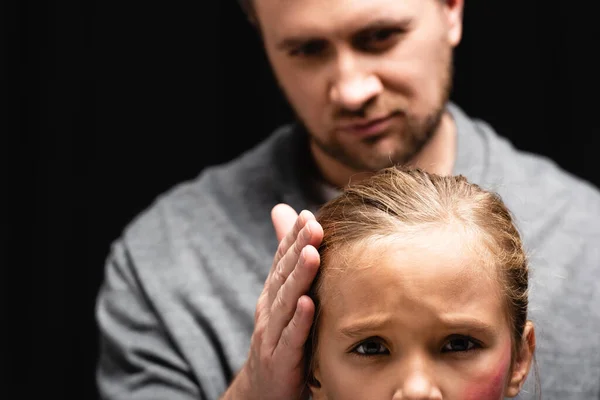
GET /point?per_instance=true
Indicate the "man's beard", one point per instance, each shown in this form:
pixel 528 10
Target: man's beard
pixel 416 133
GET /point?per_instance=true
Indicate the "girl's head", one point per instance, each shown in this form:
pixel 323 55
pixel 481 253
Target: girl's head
pixel 421 294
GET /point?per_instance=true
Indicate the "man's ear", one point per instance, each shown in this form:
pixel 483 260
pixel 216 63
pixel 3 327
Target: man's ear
pixel 522 362
pixel 453 10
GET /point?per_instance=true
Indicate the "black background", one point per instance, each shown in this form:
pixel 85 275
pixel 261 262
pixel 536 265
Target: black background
pixel 115 102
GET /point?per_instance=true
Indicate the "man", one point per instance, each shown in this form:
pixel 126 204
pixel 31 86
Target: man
pixel 196 306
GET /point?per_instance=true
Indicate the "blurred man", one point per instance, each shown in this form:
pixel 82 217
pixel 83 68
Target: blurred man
pixel 204 294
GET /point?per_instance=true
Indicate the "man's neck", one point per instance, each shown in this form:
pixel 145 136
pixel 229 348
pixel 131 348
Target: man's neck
pixel 437 156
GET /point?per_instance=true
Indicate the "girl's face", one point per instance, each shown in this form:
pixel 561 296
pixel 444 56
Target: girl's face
pixel 415 319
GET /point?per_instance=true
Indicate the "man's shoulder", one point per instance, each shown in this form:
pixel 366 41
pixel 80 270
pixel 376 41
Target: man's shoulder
pixel 533 185
pixel 537 179
pixel 222 200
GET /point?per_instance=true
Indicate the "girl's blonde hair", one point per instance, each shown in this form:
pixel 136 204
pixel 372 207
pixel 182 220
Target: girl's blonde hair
pixel 397 201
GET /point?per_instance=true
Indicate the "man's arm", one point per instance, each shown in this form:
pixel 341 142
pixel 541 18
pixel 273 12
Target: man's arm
pixel 137 360
pixel 284 314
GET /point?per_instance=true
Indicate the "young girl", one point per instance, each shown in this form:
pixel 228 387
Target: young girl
pixel 421 294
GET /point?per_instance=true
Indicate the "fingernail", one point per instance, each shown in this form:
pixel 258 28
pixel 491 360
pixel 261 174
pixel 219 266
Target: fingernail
pixel 298 308
pixel 306 232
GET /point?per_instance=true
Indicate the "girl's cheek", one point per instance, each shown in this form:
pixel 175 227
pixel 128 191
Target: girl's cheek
pixel 490 385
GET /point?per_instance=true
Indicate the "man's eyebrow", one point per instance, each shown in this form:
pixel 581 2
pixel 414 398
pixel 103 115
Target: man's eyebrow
pixel 379 23
pixel 387 22
pixel 294 42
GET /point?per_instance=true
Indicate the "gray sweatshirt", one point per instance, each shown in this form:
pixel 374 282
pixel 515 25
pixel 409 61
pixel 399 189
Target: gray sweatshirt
pixel 176 307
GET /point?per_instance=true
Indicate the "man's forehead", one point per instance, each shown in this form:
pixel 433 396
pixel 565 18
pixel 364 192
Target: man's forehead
pixel 323 17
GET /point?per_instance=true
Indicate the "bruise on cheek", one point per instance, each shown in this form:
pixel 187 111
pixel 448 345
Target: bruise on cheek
pixel 490 384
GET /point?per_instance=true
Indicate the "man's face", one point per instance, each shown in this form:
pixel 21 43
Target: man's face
pixel 368 78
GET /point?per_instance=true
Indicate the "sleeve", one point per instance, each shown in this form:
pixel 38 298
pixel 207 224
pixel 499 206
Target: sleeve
pixel 136 360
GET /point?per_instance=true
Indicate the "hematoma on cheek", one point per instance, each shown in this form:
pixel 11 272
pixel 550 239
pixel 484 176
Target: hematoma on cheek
pixel 490 385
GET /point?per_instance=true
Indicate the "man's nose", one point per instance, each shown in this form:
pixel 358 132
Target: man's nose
pixel 354 86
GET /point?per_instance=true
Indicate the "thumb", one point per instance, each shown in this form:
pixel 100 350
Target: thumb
pixel 283 217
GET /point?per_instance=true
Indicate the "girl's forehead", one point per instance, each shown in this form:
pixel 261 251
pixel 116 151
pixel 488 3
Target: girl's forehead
pixel 414 296
pixel 426 273
pixel 434 252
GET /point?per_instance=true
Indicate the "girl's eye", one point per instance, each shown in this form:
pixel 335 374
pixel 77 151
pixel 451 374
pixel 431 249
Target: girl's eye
pixel 462 343
pixel 370 348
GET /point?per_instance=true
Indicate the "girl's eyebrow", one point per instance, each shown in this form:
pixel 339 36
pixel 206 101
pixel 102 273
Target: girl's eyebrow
pixel 467 323
pixel 363 326
pixel 455 322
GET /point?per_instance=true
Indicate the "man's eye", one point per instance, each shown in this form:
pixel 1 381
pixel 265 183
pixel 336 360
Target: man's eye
pixel 309 49
pixel 383 34
pixel 370 348
pixel 462 343
pixel 377 40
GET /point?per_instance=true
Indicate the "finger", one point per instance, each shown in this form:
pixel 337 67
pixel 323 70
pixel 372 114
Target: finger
pixel 280 214
pixel 290 238
pixel 311 234
pixel 290 349
pixel 283 217
pixel 297 284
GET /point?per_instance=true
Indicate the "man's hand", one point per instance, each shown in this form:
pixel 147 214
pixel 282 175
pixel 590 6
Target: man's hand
pixel 284 314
